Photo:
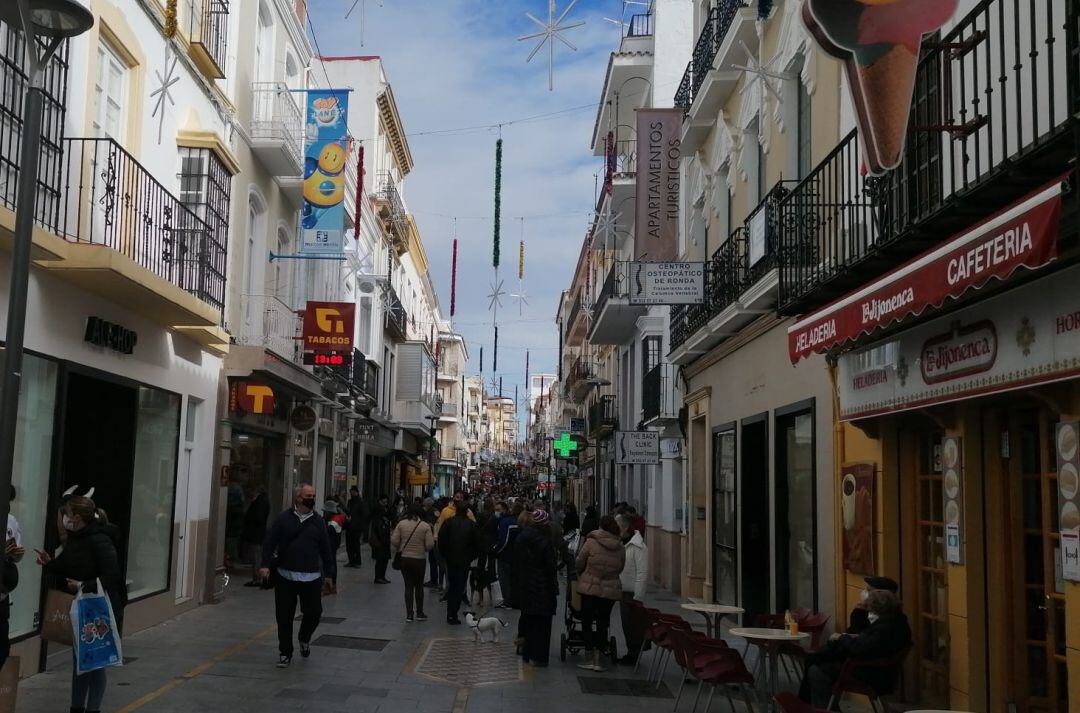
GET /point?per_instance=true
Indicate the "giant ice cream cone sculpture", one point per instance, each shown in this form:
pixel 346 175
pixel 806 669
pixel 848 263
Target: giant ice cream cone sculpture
pixel 879 42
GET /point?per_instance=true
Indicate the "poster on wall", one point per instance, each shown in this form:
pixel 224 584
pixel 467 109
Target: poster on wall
pixel 952 492
pixel 1067 445
pixel 857 507
pixel 325 151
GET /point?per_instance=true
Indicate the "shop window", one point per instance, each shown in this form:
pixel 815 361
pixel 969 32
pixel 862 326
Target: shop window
pixel 796 525
pixel 30 476
pixel 152 493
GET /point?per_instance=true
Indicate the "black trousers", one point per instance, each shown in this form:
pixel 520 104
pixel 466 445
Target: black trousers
pixel 536 628
pixel 457 578
pixel 632 628
pixel 286 594
pixel 353 541
pixel 412 571
pixel 595 619
pixel 380 567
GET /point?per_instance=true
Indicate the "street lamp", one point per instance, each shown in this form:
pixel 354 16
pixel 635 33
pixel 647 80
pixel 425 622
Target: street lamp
pixel 53 21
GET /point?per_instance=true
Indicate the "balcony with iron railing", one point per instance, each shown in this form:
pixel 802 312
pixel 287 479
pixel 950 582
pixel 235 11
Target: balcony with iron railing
pixel 740 283
pixel 614 318
pixel 277 129
pixel 208 32
pixel 450 411
pixel 660 400
pixel 576 324
pixel 993 118
pixel 392 210
pixel 711 75
pixel 603 417
pixel 397 320
pixel 266 321
pixel 641 25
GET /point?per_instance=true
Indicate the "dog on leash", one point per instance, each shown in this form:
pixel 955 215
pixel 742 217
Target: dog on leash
pixel 479 582
pixel 484 624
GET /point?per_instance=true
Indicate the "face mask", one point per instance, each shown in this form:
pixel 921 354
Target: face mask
pixel 68 523
pixel 864 595
pixel 309 503
pixel 872 617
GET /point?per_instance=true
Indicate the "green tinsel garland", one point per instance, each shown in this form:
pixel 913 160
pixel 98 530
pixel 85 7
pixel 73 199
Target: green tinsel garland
pixel 498 200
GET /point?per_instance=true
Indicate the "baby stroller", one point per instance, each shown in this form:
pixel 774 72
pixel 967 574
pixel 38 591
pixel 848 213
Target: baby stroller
pixel 573 640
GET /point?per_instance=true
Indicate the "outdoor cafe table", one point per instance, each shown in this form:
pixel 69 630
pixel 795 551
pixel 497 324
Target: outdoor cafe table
pixel 769 641
pixel 713 613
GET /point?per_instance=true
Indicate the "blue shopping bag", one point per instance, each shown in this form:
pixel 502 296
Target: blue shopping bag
pixel 93 624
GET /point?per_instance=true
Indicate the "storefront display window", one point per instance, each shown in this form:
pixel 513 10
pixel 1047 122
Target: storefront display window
pixel 33 450
pixel 796 545
pixel 153 485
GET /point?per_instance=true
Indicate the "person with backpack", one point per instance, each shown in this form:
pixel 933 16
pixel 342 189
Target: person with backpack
pixel 297 546
pixel 89 556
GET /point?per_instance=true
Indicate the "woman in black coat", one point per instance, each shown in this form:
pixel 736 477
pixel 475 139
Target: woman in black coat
pixel 536 587
pixel 89 555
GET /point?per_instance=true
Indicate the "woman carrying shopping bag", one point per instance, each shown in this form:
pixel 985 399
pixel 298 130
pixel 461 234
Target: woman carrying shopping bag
pixel 89 556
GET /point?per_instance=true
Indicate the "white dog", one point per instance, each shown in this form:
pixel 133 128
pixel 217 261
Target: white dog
pixel 487 623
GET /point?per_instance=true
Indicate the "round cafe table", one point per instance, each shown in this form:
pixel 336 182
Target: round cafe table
pixel 713 613
pixel 769 642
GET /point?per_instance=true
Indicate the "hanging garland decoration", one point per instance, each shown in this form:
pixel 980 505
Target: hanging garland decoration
pixel 453 282
pixel 495 356
pixel 498 202
pixel 764 9
pixel 521 260
pixel 481 359
pixel 170 20
pixel 527 371
pixel 609 163
pixel 359 191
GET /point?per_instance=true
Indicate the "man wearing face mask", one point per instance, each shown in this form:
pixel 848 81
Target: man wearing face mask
pixel 297 546
pixel 858 621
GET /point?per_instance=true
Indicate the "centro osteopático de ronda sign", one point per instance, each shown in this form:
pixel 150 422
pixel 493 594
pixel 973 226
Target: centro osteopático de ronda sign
pixel 667 283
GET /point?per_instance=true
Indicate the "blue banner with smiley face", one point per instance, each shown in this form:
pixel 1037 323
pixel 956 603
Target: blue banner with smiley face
pixel 322 215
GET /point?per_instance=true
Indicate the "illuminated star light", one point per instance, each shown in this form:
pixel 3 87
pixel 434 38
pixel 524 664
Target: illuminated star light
pixel 522 297
pixel 163 93
pixel 552 30
pixel 760 76
pixel 496 295
pixel 607 225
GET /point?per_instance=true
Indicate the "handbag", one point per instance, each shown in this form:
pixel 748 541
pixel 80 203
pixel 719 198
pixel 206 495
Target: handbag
pixel 56 620
pixel 93 625
pixel 396 564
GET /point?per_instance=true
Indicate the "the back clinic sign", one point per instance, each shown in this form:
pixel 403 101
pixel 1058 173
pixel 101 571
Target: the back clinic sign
pixel 659 133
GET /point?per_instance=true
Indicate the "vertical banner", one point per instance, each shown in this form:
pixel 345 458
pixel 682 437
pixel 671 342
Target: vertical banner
pixel 952 463
pixel 1067 442
pixel 325 150
pixel 857 508
pixel 659 132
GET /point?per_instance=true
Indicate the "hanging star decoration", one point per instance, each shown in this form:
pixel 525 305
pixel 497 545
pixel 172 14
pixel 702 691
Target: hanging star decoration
pixel 163 92
pixel 760 76
pixel 522 297
pixel 551 30
pixel 496 295
pixel 607 225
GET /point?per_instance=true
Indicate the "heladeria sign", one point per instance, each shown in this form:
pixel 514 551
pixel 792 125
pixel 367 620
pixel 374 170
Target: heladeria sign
pixel 667 283
pixel 637 448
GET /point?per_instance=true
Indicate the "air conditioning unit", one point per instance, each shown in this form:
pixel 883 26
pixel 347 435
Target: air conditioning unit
pixel 369 284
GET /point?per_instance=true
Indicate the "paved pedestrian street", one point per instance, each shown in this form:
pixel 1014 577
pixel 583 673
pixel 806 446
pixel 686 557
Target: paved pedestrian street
pixel 365 659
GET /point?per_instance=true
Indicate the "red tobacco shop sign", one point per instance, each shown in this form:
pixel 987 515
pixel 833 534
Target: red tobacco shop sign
pixel 1022 235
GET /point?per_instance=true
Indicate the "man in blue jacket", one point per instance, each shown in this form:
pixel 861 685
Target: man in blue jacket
pixel 298 548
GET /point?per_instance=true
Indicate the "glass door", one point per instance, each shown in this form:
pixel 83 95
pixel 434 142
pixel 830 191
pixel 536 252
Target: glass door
pixel 1039 623
pixel 725 501
pixel 932 624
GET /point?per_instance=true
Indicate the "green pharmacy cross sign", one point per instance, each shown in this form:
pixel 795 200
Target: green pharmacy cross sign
pixel 565 446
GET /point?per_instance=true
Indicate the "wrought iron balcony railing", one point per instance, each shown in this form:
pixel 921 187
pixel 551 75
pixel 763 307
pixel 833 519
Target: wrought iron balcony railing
pixel 603 416
pixel 276 117
pixel 640 25
pixel 266 321
pixel 575 310
pixel 708 45
pixel 743 260
pixel 208 30
pixel 659 393
pixel 108 198
pixel 993 117
pixel 616 284
pixel 397 320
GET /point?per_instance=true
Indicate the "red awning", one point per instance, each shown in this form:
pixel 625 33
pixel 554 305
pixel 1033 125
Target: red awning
pixel 1021 235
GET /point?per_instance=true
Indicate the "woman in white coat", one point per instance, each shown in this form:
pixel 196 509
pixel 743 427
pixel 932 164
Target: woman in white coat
pixel 634 577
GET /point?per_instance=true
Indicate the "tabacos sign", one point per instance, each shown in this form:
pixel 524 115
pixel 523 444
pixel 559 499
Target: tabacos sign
pixel 253 398
pixel 962 352
pixel 328 326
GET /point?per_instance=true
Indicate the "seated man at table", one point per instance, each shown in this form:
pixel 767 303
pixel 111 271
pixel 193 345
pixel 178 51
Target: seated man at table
pixel 887 634
pixel 858 622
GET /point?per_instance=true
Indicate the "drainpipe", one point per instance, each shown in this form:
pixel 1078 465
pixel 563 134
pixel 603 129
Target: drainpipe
pixel 215 529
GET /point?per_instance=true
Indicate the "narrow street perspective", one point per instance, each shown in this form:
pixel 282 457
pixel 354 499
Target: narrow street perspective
pixel 540 355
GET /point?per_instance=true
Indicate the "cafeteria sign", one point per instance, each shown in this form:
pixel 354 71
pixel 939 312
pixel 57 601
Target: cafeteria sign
pixel 326 150
pixel 637 448
pixel 667 283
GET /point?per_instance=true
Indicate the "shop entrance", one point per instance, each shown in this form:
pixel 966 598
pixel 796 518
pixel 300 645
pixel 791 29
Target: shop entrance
pixel 755 519
pixel 1032 601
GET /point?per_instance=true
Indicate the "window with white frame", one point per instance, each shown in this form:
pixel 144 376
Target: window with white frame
pixel 110 93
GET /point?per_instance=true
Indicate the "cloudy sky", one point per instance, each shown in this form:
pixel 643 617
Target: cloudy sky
pixel 458 63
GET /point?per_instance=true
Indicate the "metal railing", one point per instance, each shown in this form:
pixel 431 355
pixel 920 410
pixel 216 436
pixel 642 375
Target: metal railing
pixel 208 28
pixel 450 409
pixel 660 393
pixel 108 198
pixel 276 116
pixel 991 119
pixel 575 310
pixel 603 415
pixel 615 284
pixel 641 25
pixel 743 260
pixel 397 320
pixel 13 89
pixel 626 156
pixel 267 322
pixel 708 45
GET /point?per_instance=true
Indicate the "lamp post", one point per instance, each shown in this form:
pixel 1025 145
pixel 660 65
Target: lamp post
pixel 53 21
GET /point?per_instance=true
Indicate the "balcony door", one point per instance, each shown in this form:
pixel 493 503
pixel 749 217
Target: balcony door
pixel 110 94
pixel 755 520
pixel 724 517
